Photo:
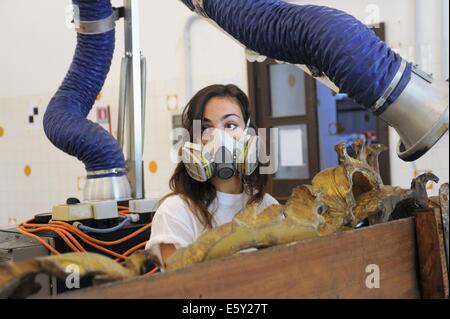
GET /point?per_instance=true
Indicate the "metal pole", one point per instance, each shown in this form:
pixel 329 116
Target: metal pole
pixel 123 90
pixel 188 55
pixel 144 95
pixel 134 99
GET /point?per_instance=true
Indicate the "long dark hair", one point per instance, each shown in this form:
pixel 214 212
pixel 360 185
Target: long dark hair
pixel 199 195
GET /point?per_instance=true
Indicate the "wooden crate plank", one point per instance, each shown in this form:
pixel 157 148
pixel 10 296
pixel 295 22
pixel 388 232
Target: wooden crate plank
pixel 331 267
pixel 431 253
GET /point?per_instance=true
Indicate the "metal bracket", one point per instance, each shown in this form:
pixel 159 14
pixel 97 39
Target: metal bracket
pixel 199 8
pixel 99 26
pixel 315 72
pixel 427 77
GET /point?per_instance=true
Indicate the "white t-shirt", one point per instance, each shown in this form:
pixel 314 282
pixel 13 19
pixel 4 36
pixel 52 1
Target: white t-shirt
pixel 174 223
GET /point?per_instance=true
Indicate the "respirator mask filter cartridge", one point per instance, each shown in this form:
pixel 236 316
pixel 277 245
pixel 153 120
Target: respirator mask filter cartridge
pixel 222 156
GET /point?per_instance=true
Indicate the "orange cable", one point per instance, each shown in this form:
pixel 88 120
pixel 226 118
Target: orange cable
pixel 64 230
pixel 133 249
pixel 39 239
pixel 105 243
pixel 62 234
pixel 87 241
pixel 65 235
pixel 153 271
pixel 59 232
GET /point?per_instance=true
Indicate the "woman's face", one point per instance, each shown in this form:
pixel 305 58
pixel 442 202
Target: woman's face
pixel 222 113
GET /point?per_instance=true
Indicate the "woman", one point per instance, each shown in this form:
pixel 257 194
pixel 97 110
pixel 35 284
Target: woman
pixel 195 206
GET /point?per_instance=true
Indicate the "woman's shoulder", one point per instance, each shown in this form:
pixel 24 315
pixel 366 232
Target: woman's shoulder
pixel 172 202
pixel 269 200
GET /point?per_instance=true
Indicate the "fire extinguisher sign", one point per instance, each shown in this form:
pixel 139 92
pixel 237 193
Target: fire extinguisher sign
pixel 104 116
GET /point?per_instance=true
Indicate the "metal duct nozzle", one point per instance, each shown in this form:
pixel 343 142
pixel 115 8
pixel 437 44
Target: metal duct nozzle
pixel 419 115
pixel 107 188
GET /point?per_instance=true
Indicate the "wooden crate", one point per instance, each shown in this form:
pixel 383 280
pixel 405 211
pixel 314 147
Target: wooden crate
pixel 338 266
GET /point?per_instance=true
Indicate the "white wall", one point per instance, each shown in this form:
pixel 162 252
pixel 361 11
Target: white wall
pixel 445 36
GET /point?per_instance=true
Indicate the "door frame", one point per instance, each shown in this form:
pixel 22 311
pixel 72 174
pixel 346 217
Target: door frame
pixel 259 94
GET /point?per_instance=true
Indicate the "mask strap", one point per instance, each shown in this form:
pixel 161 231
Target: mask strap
pixel 246 127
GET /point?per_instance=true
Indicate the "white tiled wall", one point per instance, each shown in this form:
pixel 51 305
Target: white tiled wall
pixel 53 173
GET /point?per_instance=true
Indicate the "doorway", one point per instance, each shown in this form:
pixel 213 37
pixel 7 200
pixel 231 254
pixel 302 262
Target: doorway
pixel 310 119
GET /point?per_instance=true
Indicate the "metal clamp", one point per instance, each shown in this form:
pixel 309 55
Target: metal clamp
pixel 380 102
pixel 106 172
pixel 99 26
pixel 199 8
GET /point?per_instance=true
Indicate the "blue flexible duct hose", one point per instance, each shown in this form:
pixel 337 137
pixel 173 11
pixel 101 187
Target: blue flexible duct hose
pixel 333 42
pixel 65 122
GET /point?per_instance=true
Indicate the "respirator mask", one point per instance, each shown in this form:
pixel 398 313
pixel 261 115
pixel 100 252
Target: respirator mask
pixel 222 156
